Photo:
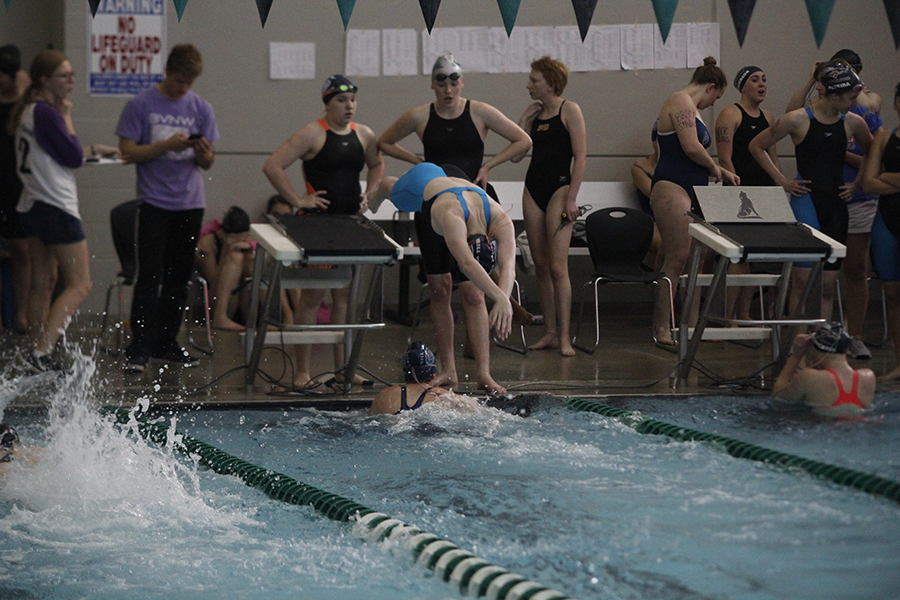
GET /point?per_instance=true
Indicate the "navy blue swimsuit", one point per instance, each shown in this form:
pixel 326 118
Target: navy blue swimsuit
pixel 404 406
pixel 676 166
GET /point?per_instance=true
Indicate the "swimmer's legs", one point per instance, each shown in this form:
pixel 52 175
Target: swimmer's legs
pixel 479 336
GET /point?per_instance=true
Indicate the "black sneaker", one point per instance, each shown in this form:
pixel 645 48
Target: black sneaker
pixel 42 364
pixel 137 362
pixel 178 356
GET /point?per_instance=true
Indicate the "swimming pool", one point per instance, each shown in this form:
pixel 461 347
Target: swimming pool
pixel 576 501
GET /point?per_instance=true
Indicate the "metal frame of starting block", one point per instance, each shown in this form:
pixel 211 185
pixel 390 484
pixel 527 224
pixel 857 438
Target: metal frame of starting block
pixel 276 248
pixel 780 331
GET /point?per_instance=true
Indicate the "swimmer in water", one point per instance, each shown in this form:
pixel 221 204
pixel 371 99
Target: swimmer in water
pixel 11 448
pixel 419 370
pixel 818 374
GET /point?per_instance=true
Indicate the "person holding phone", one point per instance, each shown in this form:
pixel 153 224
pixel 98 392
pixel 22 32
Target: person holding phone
pixel 168 132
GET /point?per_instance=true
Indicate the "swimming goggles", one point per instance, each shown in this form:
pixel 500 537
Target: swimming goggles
pixel 442 77
pixel 340 89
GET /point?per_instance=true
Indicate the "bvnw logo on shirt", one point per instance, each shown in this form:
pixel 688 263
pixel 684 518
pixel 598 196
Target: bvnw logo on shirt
pixel 747 210
pixel 172 120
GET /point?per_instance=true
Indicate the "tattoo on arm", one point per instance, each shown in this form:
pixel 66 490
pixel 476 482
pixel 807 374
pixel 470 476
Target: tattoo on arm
pixel 683 119
pixel 722 135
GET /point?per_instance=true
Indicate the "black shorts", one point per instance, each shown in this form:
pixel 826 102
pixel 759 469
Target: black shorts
pixel 51 225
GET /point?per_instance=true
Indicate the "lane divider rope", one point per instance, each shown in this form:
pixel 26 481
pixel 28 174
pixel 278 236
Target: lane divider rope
pixel 472 575
pixel 866 482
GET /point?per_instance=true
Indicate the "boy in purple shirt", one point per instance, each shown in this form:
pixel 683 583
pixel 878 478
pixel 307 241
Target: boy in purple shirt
pixel 167 131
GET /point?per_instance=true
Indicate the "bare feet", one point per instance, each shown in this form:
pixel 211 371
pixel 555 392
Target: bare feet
pixel 492 387
pixel 663 337
pixel 357 380
pixel 227 324
pixel 566 349
pixel 303 381
pixel 550 341
pixel 448 379
pixel 520 315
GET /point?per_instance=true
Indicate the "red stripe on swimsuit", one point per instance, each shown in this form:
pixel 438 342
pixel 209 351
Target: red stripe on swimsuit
pixel 851 397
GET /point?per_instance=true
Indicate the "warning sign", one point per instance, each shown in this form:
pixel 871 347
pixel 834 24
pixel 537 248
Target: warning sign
pixel 126 46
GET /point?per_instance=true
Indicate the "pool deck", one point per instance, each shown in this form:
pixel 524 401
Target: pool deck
pixel 625 362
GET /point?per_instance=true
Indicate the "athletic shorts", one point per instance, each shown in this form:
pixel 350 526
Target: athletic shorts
pixel 861 215
pixel 52 225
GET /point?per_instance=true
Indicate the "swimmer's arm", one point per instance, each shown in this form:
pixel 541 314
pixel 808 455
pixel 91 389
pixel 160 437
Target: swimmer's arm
pixel 790 384
pixel 573 119
pixel 874 181
pixel 494 120
pixel 408 123
pixel 728 121
pixel 505 236
pixel 525 121
pixel 800 97
pixel 642 175
pixel 374 164
pixel 304 143
pixel 453 228
pixel 759 149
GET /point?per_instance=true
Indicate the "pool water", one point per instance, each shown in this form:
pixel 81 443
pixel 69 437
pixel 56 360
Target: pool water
pixel 576 501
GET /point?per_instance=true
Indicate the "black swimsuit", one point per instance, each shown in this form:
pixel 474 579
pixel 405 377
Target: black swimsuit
pixel 551 159
pixel 745 166
pixel 447 141
pixel 418 404
pixel 335 170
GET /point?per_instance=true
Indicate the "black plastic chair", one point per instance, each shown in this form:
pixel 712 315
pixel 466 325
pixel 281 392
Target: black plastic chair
pixel 123 225
pixel 618 239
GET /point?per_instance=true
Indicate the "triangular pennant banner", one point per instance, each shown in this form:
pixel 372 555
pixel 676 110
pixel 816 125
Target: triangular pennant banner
pixel 665 13
pixel 584 12
pixel 7 2
pixel 819 15
pixel 509 9
pixel 741 10
pixel 263 6
pixel 346 8
pixel 179 7
pixel 94 4
pixel 429 11
pixel 893 12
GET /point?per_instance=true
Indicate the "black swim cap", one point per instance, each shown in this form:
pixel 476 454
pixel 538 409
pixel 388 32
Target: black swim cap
pixel 831 338
pixel 236 220
pixel 838 78
pixel 337 84
pixel 418 364
pixel 743 75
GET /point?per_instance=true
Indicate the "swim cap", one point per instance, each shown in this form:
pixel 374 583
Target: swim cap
pixel 851 57
pixel 743 75
pixel 831 338
pixel 839 78
pixel 446 66
pixel 337 84
pixel 484 251
pixel 8 438
pixel 10 60
pixel 408 191
pixel 236 220
pixel 418 363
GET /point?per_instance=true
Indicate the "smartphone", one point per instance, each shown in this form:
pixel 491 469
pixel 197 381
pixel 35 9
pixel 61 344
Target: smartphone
pixel 195 136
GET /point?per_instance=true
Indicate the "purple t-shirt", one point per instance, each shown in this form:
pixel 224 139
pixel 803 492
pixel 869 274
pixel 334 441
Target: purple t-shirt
pixel 172 181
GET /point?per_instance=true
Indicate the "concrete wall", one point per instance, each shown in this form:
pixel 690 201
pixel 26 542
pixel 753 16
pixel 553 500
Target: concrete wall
pixel 255 114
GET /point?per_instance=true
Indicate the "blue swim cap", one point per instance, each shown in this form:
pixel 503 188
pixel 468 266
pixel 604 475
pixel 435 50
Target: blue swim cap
pixel 407 193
